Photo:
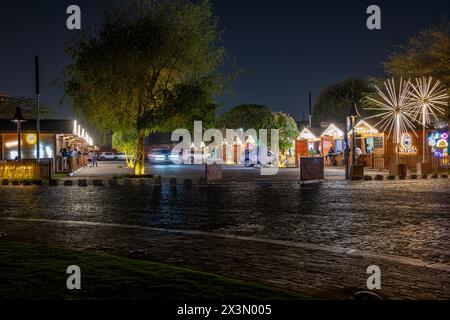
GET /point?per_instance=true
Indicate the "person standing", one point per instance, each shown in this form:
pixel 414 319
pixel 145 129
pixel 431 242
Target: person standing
pixel 63 154
pixel 95 159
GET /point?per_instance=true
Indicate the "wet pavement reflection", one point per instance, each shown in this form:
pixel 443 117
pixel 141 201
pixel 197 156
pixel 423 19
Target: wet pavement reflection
pixel 405 218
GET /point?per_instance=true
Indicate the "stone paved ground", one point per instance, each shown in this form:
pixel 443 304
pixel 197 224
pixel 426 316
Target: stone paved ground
pixel 318 239
pixel 108 169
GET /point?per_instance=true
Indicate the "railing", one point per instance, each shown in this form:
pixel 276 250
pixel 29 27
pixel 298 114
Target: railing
pixel 383 162
pixel 26 169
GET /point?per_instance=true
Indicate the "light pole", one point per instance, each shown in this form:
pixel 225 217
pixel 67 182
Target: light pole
pixel 38 117
pixel 18 119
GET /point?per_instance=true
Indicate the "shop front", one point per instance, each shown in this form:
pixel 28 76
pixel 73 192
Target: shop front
pixel 308 144
pixel 370 145
pixel 55 136
pixel 332 140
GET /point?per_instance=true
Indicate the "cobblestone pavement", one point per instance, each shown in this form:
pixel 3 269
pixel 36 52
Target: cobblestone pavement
pixel 317 239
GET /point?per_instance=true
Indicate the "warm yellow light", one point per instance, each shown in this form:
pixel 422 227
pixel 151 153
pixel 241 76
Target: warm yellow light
pixel 31 138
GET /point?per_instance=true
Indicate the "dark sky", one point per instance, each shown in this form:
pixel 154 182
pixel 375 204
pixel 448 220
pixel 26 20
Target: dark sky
pixel 285 48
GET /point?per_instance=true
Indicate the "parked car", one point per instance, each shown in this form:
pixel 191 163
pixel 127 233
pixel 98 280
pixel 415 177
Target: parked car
pixel 251 159
pixel 194 158
pixel 161 156
pixel 120 157
pixel 107 156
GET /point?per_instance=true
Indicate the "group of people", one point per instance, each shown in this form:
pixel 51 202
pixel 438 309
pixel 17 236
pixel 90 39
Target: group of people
pixel 93 159
pixel 68 155
pixel 71 159
pixel 332 156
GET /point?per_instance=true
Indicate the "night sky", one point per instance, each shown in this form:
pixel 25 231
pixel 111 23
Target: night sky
pixel 286 48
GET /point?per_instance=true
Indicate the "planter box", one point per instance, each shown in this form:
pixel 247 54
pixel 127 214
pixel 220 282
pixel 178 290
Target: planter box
pixel 397 169
pixel 424 168
pixel 357 171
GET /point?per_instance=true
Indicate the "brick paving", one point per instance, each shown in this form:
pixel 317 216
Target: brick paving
pixel 317 239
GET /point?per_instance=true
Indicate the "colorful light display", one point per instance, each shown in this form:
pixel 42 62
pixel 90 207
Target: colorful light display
pixel 438 141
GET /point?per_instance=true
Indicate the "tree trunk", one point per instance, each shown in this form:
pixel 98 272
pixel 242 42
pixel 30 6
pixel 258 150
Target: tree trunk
pixel 139 168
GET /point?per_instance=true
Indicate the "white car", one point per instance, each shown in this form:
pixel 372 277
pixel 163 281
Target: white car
pixel 107 156
pixel 251 159
pixel 161 156
pixel 199 158
pixel 120 157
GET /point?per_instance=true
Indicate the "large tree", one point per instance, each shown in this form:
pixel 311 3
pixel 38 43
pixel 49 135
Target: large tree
pixel 334 103
pixel 245 116
pixel 426 54
pixel 288 131
pixel 146 67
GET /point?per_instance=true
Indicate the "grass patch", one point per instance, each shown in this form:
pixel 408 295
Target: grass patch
pixel 31 272
pixel 59 176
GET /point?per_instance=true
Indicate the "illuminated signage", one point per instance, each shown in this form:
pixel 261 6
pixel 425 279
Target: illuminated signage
pixel 438 141
pixel 31 139
pixel 406 146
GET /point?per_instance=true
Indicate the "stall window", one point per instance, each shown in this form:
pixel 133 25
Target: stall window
pixel 369 145
pixel 339 146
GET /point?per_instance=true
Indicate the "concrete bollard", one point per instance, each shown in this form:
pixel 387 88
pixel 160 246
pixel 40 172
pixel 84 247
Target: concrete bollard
pixel 68 183
pixel 127 182
pixel 98 183
pixel 113 182
pixel 82 183
pixel 379 178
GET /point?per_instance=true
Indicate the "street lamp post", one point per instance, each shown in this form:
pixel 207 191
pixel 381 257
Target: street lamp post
pixel 350 125
pixel 38 115
pixel 18 119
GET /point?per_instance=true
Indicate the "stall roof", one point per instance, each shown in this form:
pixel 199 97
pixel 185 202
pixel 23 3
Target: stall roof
pixel 314 131
pixel 63 127
pixel 47 126
pixel 332 128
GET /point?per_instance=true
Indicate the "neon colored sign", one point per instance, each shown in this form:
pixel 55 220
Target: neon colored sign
pixel 438 141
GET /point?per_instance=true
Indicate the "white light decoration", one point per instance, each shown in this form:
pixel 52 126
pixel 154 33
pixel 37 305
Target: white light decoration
pixel 333 131
pixel 429 99
pixel 359 128
pixel 306 134
pixel 395 109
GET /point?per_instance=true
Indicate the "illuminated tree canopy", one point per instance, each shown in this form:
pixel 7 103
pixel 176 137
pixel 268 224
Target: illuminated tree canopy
pixel 147 66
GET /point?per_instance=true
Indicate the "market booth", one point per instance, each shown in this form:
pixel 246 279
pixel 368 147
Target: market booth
pixel 54 136
pixel 371 143
pixel 308 143
pixel 333 137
